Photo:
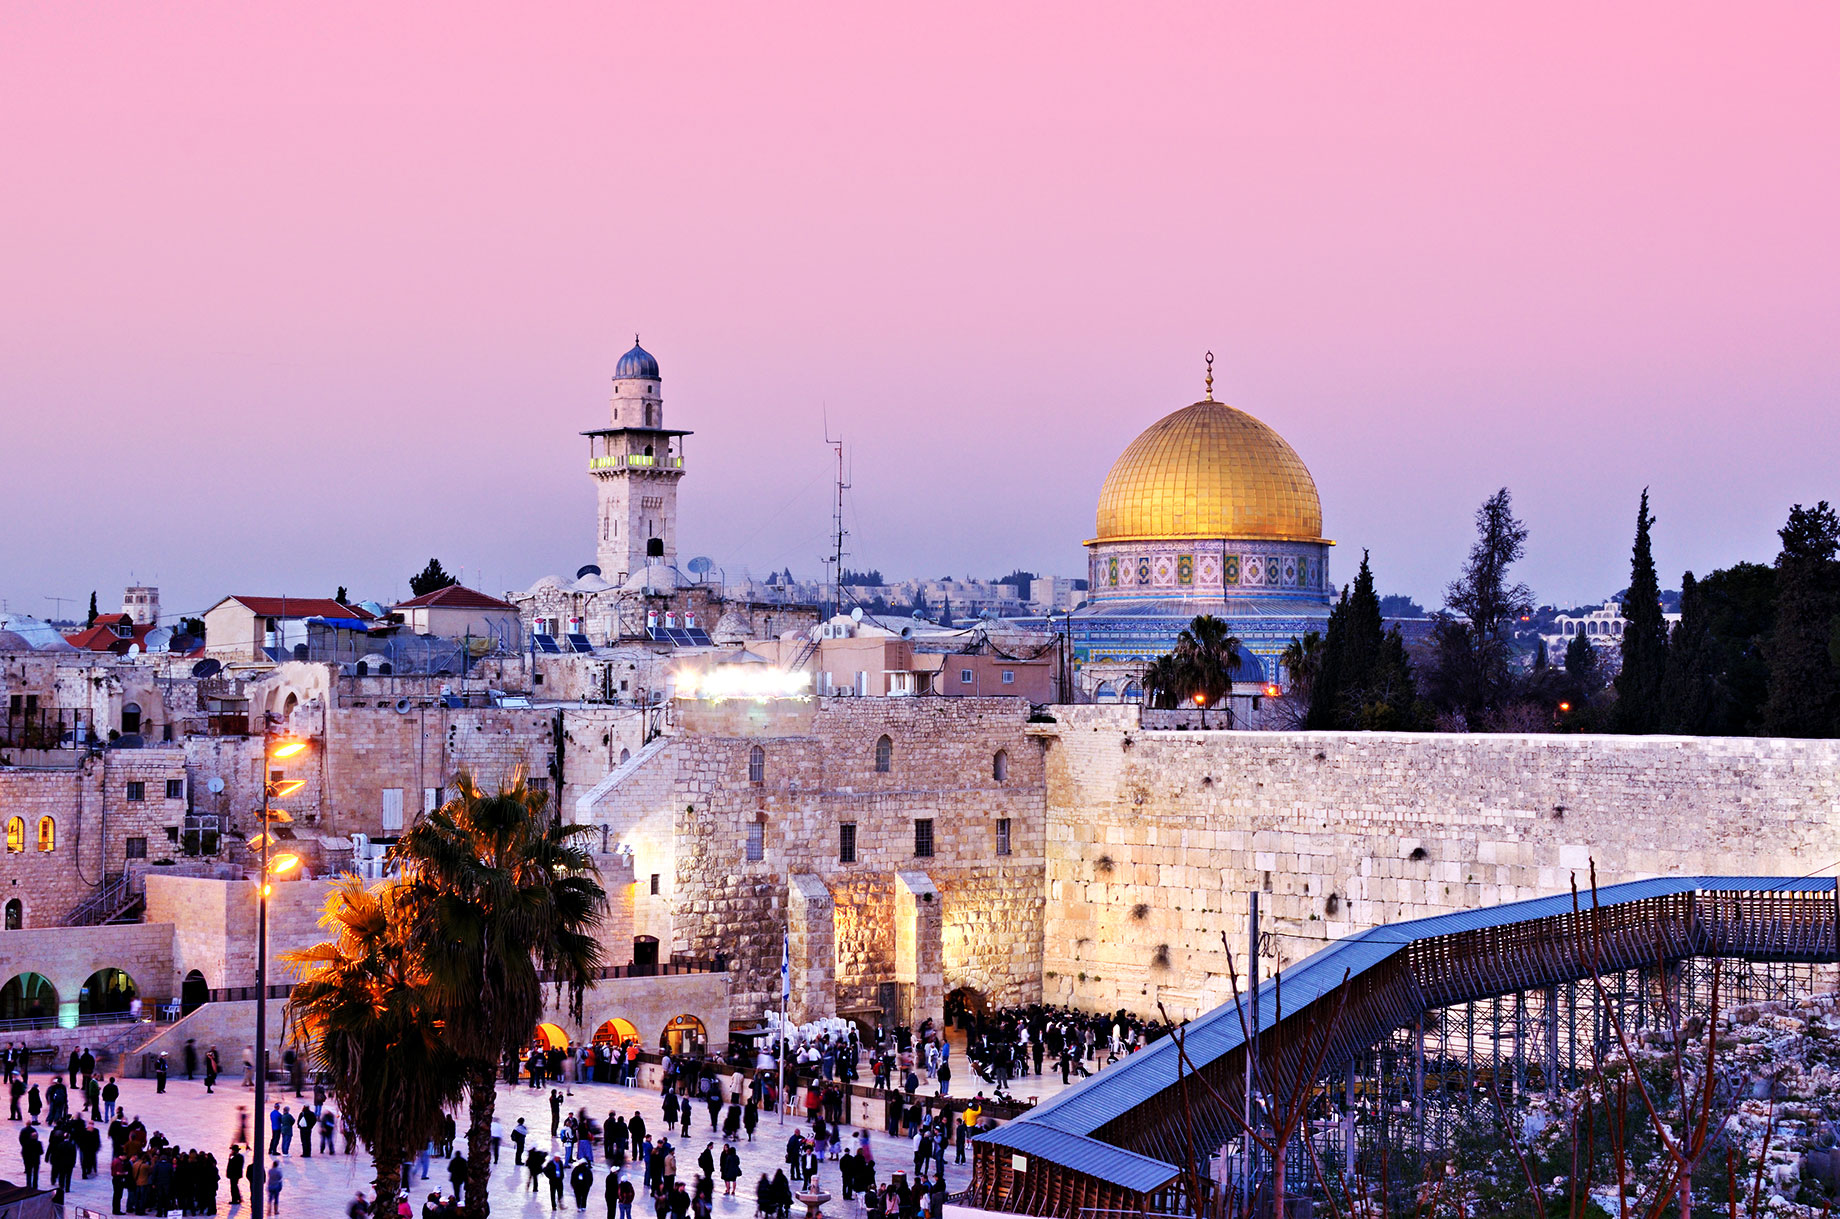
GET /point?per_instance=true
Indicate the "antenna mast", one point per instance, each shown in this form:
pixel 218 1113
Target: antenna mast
pixel 835 560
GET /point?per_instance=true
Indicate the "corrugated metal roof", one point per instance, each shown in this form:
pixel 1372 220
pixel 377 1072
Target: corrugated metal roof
pixel 1125 1169
pixel 1153 1070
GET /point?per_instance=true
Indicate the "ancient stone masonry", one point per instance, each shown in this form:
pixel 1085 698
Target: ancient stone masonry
pixel 724 828
pixel 1154 838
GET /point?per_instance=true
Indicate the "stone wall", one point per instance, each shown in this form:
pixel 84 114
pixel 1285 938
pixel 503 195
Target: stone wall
pixel 143 950
pixel 685 809
pixel 94 823
pixel 1154 837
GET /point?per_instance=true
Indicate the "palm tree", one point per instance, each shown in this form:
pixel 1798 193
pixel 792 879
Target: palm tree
pixel 362 1007
pixel 1210 651
pixel 1167 682
pixel 504 900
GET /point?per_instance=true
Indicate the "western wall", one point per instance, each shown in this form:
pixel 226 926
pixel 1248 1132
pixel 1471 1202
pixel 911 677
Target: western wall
pixel 1155 837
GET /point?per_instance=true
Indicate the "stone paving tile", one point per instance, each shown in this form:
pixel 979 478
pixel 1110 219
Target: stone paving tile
pixel 321 1187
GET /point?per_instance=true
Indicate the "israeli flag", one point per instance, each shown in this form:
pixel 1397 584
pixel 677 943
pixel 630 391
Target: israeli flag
pixel 785 969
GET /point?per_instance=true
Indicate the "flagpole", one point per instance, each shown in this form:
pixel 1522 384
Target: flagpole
pixel 785 1001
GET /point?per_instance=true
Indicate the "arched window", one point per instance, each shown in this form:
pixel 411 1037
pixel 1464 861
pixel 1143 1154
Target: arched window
pixel 15 836
pixel 15 915
pixel 884 755
pixel 1105 693
pixel 625 756
pixel 47 834
pixel 130 718
pixel 1133 693
pixel 999 765
pixel 757 765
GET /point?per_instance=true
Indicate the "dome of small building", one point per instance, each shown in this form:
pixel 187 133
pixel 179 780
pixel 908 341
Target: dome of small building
pixel 636 363
pixel 653 577
pixel 1209 471
pixel 731 628
pixel 13 641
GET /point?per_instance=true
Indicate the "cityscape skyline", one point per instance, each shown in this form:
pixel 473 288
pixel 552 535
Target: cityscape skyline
pixel 294 309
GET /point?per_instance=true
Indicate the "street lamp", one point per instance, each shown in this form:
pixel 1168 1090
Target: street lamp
pixel 272 865
pixel 1201 702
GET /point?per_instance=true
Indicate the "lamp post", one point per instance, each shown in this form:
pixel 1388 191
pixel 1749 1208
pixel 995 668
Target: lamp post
pixel 1201 702
pixel 272 865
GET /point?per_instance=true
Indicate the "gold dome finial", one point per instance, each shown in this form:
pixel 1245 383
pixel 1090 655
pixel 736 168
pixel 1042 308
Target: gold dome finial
pixel 1210 376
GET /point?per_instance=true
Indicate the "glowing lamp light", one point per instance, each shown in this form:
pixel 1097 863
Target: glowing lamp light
pixel 1271 689
pixel 1565 706
pixel 281 865
pixel 287 787
pixel 1200 700
pixel 287 749
pixel 757 682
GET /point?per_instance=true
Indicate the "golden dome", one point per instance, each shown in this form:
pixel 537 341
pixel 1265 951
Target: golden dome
pixel 1209 471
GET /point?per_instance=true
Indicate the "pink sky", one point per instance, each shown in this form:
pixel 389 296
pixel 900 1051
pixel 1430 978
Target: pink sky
pixel 298 295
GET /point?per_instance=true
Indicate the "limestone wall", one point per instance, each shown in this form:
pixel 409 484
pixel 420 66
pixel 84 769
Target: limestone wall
pixel 68 958
pixel 1154 838
pixel 686 812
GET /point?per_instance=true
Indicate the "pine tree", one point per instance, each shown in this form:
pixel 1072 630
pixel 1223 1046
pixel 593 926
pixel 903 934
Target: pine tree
pixel 1581 663
pixel 1364 680
pixel 430 578
pixel 1803 695
pixel 1472 638
pixel 1638 685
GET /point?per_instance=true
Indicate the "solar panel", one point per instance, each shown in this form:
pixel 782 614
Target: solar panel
pixel 656 634
pixel 547 643
pixel 580 643
pixel 699 637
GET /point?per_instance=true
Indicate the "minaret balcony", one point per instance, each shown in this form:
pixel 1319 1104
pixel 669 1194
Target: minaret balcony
pixel 621 461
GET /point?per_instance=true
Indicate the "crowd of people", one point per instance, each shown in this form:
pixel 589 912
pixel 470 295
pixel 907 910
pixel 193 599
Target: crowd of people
pixel 1010 1043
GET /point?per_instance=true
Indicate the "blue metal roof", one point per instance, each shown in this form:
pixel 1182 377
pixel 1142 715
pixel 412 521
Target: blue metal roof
pixel 1153 1070
pixel 1122 1168
pixel 636 363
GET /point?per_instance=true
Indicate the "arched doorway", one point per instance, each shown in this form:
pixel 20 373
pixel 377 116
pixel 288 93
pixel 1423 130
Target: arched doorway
pixel 15 915
pixel 1105 693
pixel 645 955
pixel 610 1041
pixel 130 718
pixel 108 992
pixel 616 1032
pixel 194 992
pixel 29 997
pixel 550 1037
pixel 965 1006
pixel 685 1030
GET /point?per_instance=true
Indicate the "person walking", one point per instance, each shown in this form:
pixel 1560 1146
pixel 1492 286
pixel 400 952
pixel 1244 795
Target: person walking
pixel 553 1172
pixel 31 1151
pixel 308 1123
pixel 159 1074
pixel 581 1180
pixel 233 1169
pixel 275 1180
pixel 731 1169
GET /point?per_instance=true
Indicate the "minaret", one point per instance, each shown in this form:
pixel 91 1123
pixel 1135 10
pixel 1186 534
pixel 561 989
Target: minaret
pixel 635 463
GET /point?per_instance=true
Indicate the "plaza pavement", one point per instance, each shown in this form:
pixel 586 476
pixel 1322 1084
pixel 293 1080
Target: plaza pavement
pixel 321 1187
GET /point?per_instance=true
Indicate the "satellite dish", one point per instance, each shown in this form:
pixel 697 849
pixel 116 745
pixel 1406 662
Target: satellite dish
pixel 214 784
pixel 134 649
pixel 856 614
pixel 700 565
pixel 404 706
pixel 907 632
pixel 588 569
pixel 207 668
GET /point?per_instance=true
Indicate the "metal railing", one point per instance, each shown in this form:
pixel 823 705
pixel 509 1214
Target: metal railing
pixel 115 895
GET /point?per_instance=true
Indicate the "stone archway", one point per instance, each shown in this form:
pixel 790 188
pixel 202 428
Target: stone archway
pixel 29 996
pixel 194 992
pixel 107 992
pixel 683 1030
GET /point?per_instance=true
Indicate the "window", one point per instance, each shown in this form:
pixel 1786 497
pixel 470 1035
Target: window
pixel 540 785
pixel 175 789
pixel 964 675
pixel 47 834
pixel 137 790
pixel 1009 677
pixel 923 837
pixel 884 755
pixel 431 799
pixel 1002 835
pixel 757 765
pixel 654 884
pixel 137 848
pixel 846 842
pixel 756 842
pixel 15 915
pixel 999 765
pixel 392 810
pixel 15 836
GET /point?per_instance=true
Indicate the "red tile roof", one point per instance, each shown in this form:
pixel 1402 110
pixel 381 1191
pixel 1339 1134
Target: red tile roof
pixel 455 596
pixel 103 638
pixel 297 607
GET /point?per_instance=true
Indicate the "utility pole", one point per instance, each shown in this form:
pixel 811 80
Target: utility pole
pixel 1252 1041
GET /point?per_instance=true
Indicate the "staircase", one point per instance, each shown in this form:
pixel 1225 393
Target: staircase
pixel 114 902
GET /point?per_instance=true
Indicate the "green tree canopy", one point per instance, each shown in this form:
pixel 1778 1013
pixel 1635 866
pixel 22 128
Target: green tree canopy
pixel 430 578
pixel 1645 638
pixel 1803 698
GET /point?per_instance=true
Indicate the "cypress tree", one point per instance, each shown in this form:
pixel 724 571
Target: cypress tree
pixel 1365 680
pixel 1638 685
pixel 91 620
pixel 1802 692
pixel 1689 689
pixel 1326 690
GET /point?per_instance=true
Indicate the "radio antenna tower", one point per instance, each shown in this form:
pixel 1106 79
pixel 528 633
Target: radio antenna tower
pixel 838 532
